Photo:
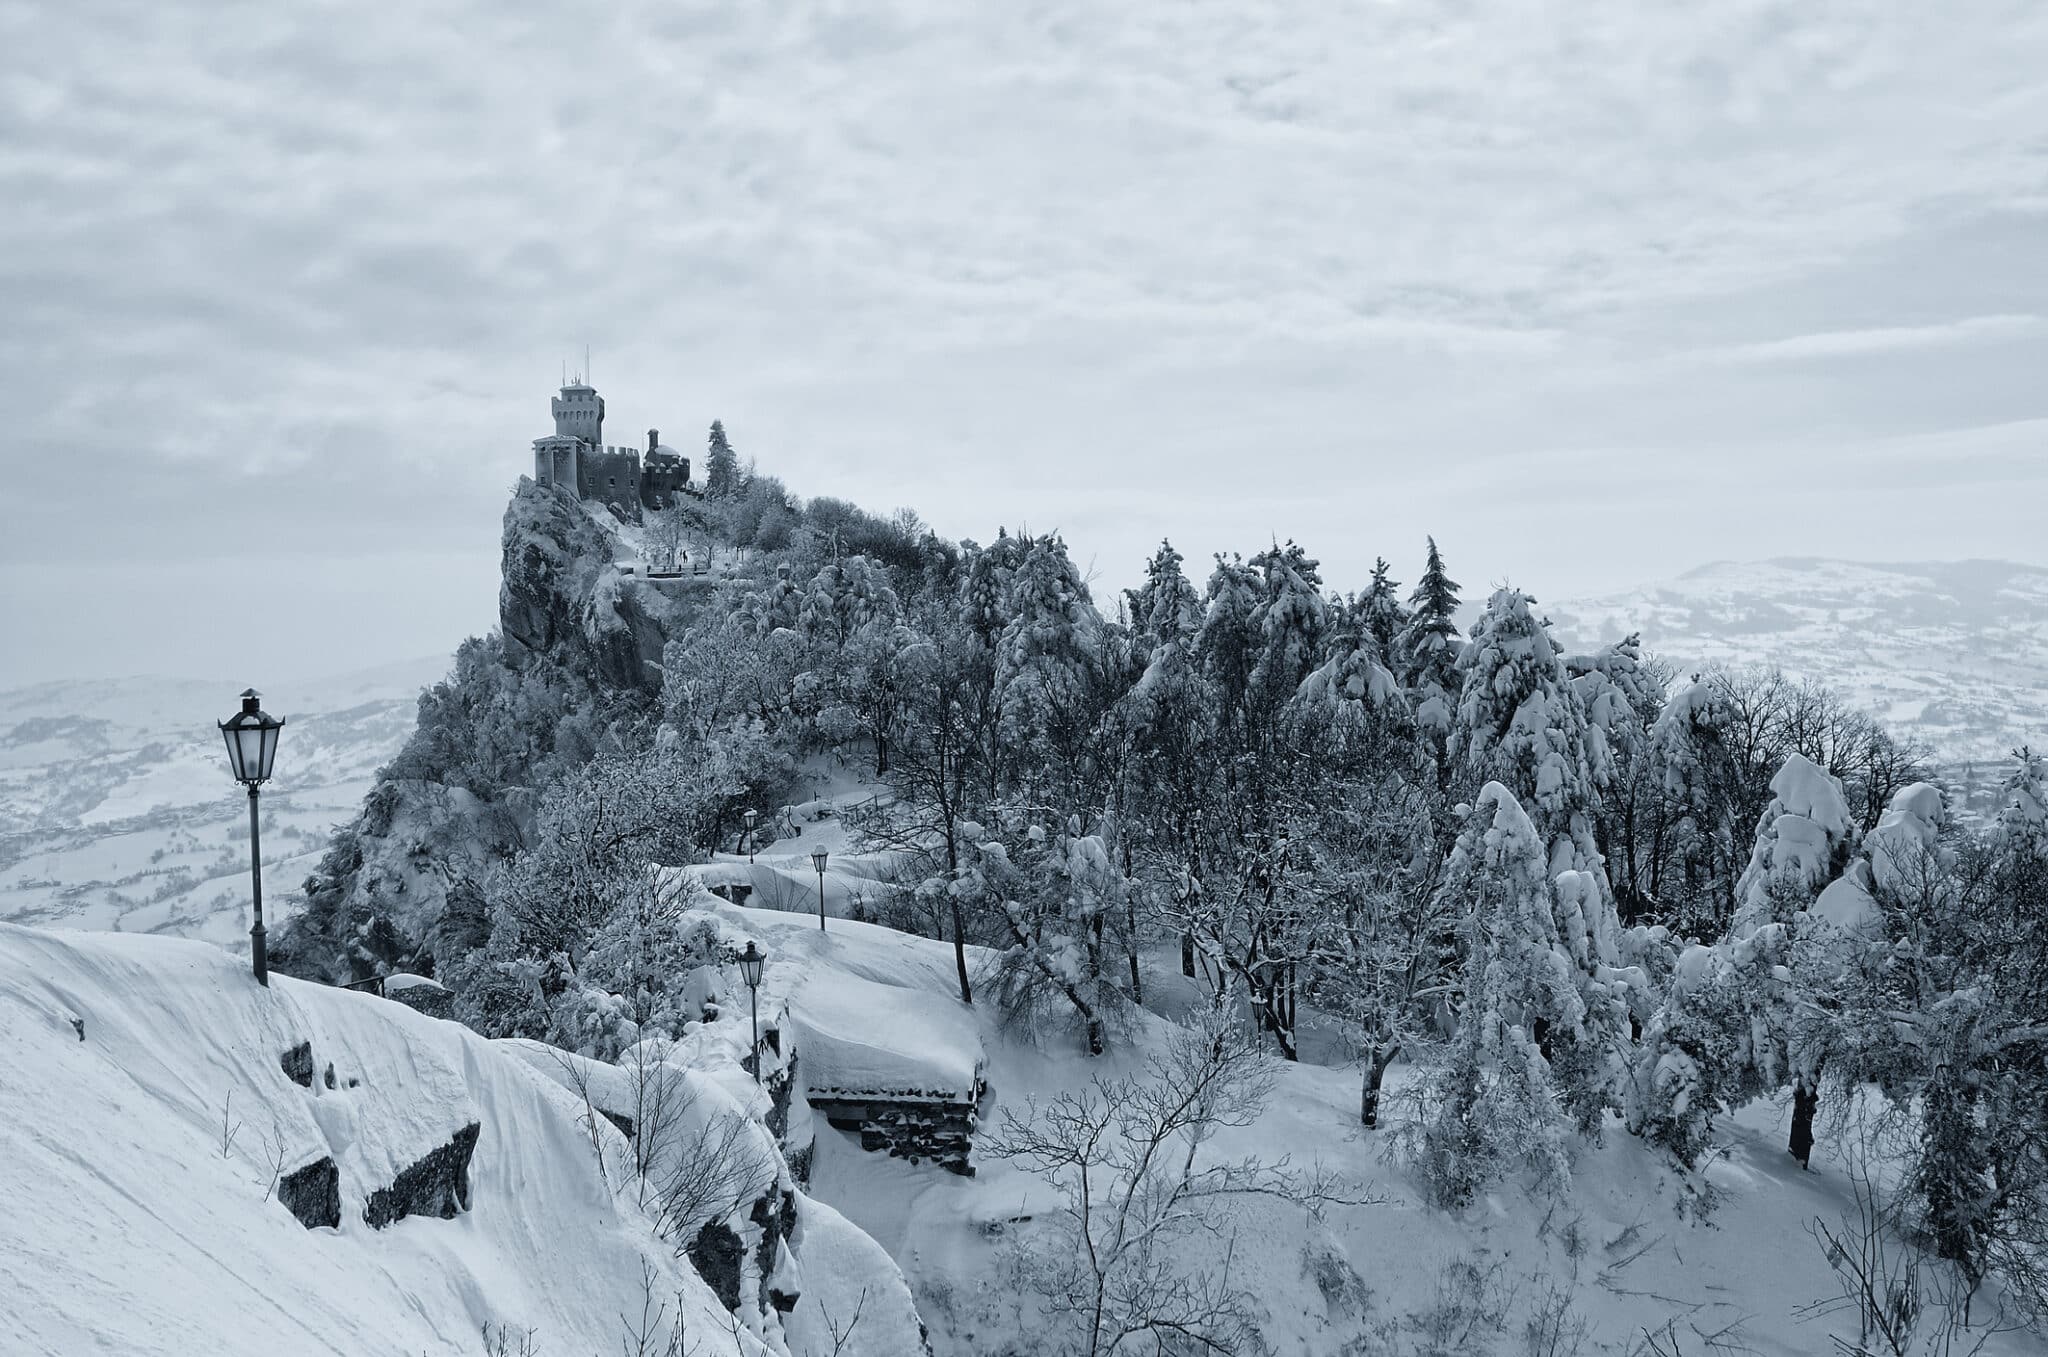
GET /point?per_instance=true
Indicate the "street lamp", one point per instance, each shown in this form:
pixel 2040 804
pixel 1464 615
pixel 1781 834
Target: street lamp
pixel 751 816
pixel 251 736
pixel 818 861
pixel 751 962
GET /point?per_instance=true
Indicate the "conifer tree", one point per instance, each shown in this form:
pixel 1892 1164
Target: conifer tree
pixel 1381 613
pixel 1291 623
pixel 1496 1102
pixel 1426 653
pixel 721 464
pixel 1166 607
pixel 1519 722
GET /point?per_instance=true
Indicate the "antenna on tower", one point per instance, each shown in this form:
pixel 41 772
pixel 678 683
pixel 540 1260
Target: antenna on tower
pixel 586 364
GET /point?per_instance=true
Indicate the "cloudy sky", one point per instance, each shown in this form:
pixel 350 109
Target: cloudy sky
pixel 1594 293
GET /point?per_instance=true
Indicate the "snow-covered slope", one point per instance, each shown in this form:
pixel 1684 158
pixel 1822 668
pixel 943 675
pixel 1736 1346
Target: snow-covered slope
pixel 116 810
pixel 1955 653
pixel 146 1114
pixel 1625 1249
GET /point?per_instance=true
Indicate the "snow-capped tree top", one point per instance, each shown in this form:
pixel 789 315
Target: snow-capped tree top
pixel 1910 830
pixel 1848 907
pixel 1520 722
pixel 1166 606
pixel 1802 839
pixel 2023 819
pixel 1353 687
pixel 1050 617
pixel 1291 618
pixel 1427 647
pixel 1380 612
pixel 1620 699
pixel 1803 788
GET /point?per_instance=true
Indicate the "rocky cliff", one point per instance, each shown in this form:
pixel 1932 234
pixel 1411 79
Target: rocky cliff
pixel 576 660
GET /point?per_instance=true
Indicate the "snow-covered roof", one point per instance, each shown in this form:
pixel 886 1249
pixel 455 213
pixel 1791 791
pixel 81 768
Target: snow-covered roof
pixel 856 1038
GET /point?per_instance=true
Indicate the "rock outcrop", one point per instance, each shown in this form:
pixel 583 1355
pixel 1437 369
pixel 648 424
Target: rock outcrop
pixel 579 645
pixel 297 1064
pixel 437 1185
pixel 313 1193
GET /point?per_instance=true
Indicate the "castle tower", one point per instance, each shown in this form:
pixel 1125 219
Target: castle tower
pixel 579 413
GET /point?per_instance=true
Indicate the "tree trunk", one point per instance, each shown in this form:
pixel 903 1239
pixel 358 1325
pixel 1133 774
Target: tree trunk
pixel 960 953
pixel 1375 1074
pixel 1805 1099
pixel 1187 955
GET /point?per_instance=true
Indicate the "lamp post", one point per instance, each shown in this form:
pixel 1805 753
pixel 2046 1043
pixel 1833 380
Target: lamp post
pixel 751 962
pixel 251 736
pixel 818 861
pixel 752 817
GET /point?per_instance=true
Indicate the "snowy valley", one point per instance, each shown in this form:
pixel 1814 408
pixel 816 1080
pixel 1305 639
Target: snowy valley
pixel 1953 654
pixel 116 810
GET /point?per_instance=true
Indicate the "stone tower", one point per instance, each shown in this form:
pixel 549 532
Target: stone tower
pixel 579 413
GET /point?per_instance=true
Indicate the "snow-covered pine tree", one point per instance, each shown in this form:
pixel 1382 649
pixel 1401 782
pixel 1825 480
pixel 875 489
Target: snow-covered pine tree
pixel 1698 775
pixel 1802 842
pixel 1520 723
pixel 1352 694
pixel 1382 614
pixel 1291 621
pixel 721 464
pixel 1493 1102
pixel 1227 644
pixel 1045 659
pixel 1426 654
pixel 1166 607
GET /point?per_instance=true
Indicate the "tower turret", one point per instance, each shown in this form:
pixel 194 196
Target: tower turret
pixel 579 413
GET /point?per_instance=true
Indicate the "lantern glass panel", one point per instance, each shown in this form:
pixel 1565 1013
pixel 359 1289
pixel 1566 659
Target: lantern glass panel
pixel 233 739
pixel 249 754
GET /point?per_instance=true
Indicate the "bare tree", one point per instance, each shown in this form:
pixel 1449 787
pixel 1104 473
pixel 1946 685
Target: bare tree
pixel 681 1162
pixel 1903 1301
pixel 841 1335
pixel 651 1334
pixel 1111 1269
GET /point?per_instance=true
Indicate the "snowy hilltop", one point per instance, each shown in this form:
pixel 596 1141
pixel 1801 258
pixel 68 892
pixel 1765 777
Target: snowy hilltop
pixel 1953 653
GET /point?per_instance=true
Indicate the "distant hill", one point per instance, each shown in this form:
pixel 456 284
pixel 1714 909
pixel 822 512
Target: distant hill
pixel 117 811
pixel 1954 653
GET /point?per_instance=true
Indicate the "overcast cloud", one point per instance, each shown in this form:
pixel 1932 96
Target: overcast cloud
pixel 1593 293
